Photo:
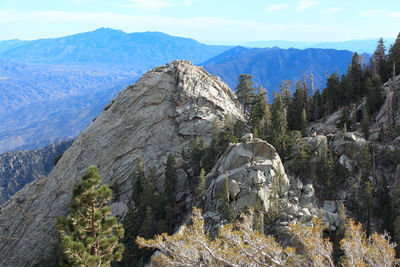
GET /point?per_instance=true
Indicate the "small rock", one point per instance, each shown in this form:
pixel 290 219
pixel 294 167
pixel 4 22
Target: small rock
pixel 118 209
pixel 182 179
pixel 292 209
pixel 179 196
pixel 330 206
pixel 247 137
pixel 234 189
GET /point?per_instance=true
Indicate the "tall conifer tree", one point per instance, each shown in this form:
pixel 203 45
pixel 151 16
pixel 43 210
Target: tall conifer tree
pixel 245 90
pixel 279 124
pixel 89 236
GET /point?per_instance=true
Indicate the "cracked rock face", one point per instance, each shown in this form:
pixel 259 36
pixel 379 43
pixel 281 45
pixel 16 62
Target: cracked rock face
pixel 158 115
pixel 256 176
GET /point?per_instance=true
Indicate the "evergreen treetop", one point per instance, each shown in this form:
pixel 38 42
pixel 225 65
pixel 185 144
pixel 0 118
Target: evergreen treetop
pixel 89 236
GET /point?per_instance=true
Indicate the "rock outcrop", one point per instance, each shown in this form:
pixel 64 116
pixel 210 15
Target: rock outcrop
pixel 158 115
pixel 389 113
pixel 257 178
pixel 18 168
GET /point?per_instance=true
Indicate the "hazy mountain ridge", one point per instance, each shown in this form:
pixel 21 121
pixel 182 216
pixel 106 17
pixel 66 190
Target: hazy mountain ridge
pixel 108 46
pixel 270 66
pixel 359 46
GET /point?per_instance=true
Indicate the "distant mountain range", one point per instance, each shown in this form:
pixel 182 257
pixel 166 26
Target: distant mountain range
pixel 50 89
pixel 360 46
pixel 270 66
pixel 106 46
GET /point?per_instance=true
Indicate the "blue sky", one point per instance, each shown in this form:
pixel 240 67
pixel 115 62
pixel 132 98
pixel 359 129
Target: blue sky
pixel 210 21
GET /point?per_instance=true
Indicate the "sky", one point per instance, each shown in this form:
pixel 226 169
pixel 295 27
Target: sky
pixel 209 21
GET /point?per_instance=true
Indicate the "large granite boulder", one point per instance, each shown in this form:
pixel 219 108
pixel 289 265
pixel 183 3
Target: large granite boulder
pixel 256 176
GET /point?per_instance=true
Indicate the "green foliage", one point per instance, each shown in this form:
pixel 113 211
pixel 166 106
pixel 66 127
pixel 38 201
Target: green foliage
pixel 245 90
pixel 278 125
pixel 354 74
pixel 332 93
pixel 285 90
pixel 374 94
pixel 296 119
pixel 225 208
pixel 331 173
pixel 89 236
pixel 345 123
pixel 154 212
pixel 239 129
pixel 131 225
pixel 137 182
pixel 259 113
pixel 205 155
pixel 379 61
pixel 197 150
pixel 146 228
pixel 394 56
pixel 316 109
pixel 201 185
pixel 365 123
pixel 299 152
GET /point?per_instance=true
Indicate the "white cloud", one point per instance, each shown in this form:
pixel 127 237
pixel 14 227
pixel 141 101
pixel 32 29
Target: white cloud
pixel 394 15
pixel 276 7
pixel 188 2
pixel 155 4
pixel 305 4
pixel 332 10
pixel 150 4
pixel 372 13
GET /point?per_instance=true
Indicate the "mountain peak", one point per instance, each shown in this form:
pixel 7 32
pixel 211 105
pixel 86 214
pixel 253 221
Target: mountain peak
pixel 159 115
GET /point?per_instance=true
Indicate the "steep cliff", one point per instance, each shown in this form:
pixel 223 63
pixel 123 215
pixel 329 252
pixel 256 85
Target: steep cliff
pixel 158 115
pixel 18 168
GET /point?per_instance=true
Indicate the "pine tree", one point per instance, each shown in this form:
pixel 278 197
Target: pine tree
pixel 258 108
pixel 354 74
pixel 365 123
pixel 225 208
pixel 285 90
pixel 131 252
pixel 394 56
pixel 380 64
pixel 303 122
pixel 345 122
pixel 245 90
pixel 278 125
pixel 137 182
pixel 332 90
pixel 146 228
pixel 374 93
pixel 201 185
pixel 89 236
pixel 316 106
